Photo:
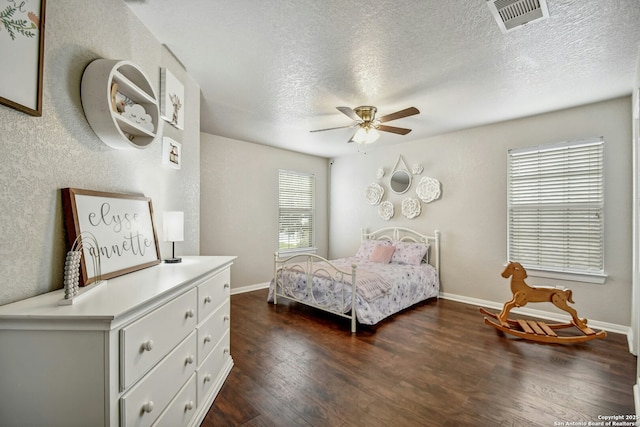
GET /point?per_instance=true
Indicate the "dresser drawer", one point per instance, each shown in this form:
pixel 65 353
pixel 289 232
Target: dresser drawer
pixel 182 407
pixel 209 373
pixel 141 405
pixel 212 293
pixel 146 341
pixel 210 332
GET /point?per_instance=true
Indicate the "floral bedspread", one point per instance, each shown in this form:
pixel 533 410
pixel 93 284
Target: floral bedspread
pixel 408 285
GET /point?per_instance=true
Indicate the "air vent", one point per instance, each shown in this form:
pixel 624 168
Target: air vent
pixel 511 14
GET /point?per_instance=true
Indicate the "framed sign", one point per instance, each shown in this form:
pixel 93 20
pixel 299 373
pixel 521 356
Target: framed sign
pixel 122 225
pixel 22 53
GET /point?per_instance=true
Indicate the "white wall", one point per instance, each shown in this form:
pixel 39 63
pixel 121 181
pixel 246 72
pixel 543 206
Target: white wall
pixel 41 155
pixel 471 213
pixel 239 203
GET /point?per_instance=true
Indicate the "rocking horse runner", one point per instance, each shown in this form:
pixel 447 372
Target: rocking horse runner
pixel 536 330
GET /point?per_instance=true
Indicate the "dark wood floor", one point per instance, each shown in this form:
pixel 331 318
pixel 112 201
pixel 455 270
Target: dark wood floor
pixel 436 364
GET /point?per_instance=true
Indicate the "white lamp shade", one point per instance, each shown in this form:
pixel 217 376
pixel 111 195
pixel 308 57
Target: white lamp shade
pixel 173 226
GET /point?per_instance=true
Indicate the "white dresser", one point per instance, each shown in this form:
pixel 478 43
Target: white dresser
pixel 150 348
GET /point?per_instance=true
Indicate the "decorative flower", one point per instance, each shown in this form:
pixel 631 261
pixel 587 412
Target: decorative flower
pixel 411 208
pixel 373 194
pixel 428 189
pixel 417 169
pixel 380 173
pixel 385 210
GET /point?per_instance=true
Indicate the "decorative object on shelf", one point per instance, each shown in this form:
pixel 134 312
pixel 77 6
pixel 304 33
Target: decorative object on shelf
pixel 380 173
pixel 171 98
pixel 173 231
pixel 400 180
pixel 385 210
pixel 122 223
pixel 22 47
pixel 171 153
pixel 417 169
pixel 411 208
pixel 72 268
pixel 373 194
pixel 120 104
pixel 428 189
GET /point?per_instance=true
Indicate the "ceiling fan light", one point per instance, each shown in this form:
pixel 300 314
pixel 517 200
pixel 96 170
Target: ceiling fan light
pixel 366 135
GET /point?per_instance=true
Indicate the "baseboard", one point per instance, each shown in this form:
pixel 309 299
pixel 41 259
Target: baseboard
pixel 609 327
pixel 249 288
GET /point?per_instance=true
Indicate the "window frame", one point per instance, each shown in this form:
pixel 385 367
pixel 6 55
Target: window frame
pixel 552 200
pixel 310 211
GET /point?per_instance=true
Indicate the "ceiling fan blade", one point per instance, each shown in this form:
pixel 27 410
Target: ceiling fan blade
pixel 411 111
pixel 339 127
pixel 349 113
pixel 393 129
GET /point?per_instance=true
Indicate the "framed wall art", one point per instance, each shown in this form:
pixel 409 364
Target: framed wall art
pixel 171 153
pixel 171 98
pixel 122 225
pixel 22 53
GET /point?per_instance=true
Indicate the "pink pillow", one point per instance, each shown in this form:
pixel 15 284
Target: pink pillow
pixel 382 254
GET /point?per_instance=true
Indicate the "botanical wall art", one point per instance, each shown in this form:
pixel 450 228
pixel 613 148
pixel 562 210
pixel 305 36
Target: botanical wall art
pixel 171 99
pixel 22 55
pixel 171 153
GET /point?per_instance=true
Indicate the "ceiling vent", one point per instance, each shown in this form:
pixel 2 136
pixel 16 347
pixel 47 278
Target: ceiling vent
pixel 511 14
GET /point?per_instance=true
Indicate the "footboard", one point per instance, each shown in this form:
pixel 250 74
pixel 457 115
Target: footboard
pixel 313 280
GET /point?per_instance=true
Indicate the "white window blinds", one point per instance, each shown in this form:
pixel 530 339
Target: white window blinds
pixel 555 207
pixel 296 211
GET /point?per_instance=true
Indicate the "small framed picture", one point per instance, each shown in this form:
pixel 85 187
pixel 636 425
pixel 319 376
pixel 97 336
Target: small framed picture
pixel 171 99
pixel 171 153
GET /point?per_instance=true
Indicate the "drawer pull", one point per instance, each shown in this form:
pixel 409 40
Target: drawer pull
pixel 207 378
pixel 190 313
pixel 189 360
pixel 225 318
pixel 207 299
pixel 148 407
pixel 147 345
pixel 226 350
pixel 189 406
pixel 226 285
pixel 207 338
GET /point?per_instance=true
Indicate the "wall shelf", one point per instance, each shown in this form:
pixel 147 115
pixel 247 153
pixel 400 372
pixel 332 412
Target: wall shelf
pixel 120 104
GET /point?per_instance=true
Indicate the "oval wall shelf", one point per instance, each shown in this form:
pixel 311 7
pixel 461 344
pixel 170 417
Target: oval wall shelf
pixel 120 104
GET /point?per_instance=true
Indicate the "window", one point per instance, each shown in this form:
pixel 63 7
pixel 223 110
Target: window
pixel 555 207
pixel 296 211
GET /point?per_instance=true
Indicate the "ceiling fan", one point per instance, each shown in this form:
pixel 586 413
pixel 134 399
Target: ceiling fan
pixel 369 125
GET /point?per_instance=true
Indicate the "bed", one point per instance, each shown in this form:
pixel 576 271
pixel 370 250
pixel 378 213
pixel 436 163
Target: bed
pixel 393 269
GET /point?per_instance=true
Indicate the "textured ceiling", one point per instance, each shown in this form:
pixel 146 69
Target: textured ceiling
pixel 271 71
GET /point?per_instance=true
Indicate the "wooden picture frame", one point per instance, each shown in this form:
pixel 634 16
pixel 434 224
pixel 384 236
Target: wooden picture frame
pixel 22 51
pixel 122 225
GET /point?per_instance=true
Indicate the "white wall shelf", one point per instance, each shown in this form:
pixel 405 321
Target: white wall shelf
pixel 117 128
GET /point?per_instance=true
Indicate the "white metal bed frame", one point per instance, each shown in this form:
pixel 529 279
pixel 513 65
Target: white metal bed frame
pixel 305 263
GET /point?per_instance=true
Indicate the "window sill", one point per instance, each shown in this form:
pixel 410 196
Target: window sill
pixel 598 279
pixel 288 252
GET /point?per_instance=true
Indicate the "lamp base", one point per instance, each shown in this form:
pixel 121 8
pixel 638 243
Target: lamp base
pixel 173 260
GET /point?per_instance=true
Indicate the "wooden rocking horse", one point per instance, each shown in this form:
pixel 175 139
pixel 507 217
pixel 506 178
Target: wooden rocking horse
pixel 537 330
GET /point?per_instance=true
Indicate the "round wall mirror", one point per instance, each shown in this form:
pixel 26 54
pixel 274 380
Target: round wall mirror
pixel 400 181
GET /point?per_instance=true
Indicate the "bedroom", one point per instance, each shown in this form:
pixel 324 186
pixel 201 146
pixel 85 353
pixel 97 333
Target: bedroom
pixel 59 149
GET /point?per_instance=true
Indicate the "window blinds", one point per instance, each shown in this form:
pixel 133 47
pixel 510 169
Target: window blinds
pixel 555 207
pixel 296 210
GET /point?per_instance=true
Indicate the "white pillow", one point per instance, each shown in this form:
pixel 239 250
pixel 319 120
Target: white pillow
pixel 409 253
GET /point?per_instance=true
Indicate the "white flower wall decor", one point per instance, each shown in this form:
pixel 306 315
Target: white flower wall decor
pixel 380 173
pixel 385 210
pixel 428 189
pixel 417 169
pixel 411 208
pixel 373 194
